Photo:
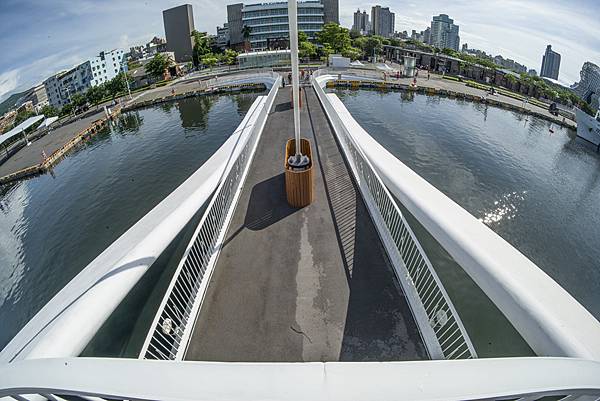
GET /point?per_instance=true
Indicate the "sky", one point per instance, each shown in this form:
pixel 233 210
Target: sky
pixel 40 38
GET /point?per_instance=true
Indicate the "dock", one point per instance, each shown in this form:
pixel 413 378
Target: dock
pixel 301 285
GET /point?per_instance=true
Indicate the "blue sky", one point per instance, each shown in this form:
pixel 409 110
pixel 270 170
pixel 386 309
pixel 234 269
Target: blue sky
pixel 39 38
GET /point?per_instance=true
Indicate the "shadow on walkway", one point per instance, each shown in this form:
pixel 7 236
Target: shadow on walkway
pixel 267 205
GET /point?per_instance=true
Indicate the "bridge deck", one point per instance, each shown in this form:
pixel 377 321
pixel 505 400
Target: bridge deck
pixel 311 284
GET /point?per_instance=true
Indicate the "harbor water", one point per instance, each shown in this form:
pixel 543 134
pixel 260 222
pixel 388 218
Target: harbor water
pixel 533 183
pixel 53 225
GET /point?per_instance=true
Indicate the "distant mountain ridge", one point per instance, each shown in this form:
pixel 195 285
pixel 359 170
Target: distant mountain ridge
pixel 10 102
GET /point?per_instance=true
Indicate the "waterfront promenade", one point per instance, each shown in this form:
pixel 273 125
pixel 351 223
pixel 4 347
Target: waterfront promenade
pixel 29 158
pixel 437 82
pixel 303 285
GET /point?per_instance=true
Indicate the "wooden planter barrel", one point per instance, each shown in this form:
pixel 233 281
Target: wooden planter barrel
pixel 298 184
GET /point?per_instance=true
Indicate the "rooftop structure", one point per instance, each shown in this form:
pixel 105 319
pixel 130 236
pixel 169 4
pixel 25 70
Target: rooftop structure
pixel 550 64
pixel 179 24
pixel 149 50
pixel 268 58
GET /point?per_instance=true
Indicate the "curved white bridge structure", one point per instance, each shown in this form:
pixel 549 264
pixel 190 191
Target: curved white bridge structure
pixel 213 296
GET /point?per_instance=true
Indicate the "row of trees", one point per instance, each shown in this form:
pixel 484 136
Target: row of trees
pixel 204 53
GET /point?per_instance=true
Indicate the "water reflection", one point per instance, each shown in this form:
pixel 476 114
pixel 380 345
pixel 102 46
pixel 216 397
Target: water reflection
pixel 537 189
pixel 52 227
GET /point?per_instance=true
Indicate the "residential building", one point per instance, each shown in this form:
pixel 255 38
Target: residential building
pixel 383 21
pixel 532 73
pixel 98 70
pixel 550 63
pixel 331 11
pixel 268 22
pixel 427 35
pixel 223 36
pixel 149 50
pixel 107 65
pixel 37 97
pixel 444 33
pixel 588 88
pixel 179 24
pixel 510 64
pixel 361 22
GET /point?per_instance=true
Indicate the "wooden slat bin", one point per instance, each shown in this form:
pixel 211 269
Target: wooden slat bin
pixel 298 184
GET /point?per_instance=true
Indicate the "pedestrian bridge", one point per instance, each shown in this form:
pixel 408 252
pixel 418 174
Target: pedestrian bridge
pixel 343 279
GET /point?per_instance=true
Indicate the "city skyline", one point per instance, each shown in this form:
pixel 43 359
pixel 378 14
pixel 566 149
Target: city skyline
pixel 45 39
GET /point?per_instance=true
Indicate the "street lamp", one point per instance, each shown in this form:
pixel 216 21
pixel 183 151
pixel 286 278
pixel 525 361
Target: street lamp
pixel 297 160
pixel 298 163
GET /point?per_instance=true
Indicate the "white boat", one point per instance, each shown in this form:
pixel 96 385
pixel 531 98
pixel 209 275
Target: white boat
pixel 588 127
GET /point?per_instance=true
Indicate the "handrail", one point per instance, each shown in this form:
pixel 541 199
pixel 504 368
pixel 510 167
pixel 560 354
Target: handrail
pixel 439 323
pixel 550 320
pixel 132 379
pixel 65 325
pixel 173 323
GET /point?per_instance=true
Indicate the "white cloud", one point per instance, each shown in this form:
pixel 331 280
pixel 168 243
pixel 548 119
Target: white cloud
pixel 8 82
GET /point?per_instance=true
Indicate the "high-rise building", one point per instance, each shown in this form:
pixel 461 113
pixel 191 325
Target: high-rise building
pixel 427 35
pixel 235 25
pixel 331 11
pixel 223 36
pixel 383 21
pixel 444 33
pixel 179 24
pixel 361 22
pixel 266 24
pixel 550 63
pixel 588 88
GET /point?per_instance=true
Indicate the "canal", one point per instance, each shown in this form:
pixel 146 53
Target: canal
pixel 53 225
pixel 531 182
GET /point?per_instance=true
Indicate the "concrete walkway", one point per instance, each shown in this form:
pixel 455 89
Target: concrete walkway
pixel 311 284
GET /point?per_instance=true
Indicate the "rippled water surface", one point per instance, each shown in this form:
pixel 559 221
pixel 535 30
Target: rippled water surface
pixel 539 190
pixel 52 226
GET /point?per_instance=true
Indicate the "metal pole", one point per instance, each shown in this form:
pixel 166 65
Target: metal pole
pixel 293 22
pixel 127 82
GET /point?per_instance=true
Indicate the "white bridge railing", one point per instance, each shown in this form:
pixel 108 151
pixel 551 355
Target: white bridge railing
pixel 548 318
pixel 66 324
pixel 173 323
pixel 133 379
pixel 439 322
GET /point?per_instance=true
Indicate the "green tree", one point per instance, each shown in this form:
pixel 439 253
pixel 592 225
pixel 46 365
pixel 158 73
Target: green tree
pixel 157 66
pixel 49 111
pixel 95 94
pixel 246 31
pixel 373 45
pixel 335 36
pixel 306 49
pixel 78 100
pixel 209 60
pixel 201 46
pixel 229 57
pixel 66 109
pixel 116 85
pixel 354 34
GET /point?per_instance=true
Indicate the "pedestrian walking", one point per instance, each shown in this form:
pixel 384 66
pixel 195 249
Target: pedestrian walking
pixel 428 75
